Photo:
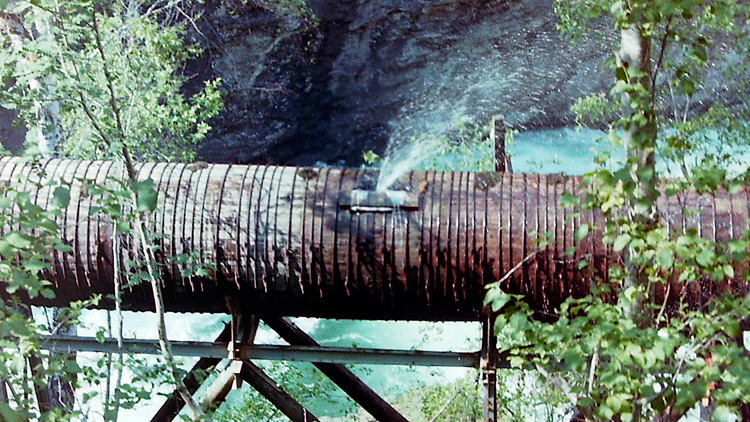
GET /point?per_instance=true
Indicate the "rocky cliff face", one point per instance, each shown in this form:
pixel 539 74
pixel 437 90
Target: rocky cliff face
pixel 372 70
pixel 347 76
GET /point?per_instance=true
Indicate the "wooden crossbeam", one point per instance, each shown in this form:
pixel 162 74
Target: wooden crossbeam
pixel 272 352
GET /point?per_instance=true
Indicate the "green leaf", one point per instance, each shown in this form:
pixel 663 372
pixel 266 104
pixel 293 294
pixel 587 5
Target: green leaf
pixel 735 187
pixel 6 250
pixel 518 321
pixel 584 402
pixel 699 51
pixel 123 226
pixel 737 246
pixel 7 413
pixel 48 293
pixel 724 414
pixel 110 414
pixel 728 270
pixel 581 232
pixel 568 200
pixel 35 265
pixel 621 74
pixel 62 247
pixel 146 194
pixel 603 412
pixel 687 87
pixel 60 197
pixel 517 362
pixel 631 293
pixel 100 336
pixel 621 242
pixel 497 298
pixel 704 257
pixel 665 258
pixel 732 328
pixel 3 4
pixel 18 240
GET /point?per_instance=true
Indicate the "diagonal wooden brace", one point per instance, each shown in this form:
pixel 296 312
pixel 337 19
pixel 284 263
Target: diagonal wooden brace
pixel 339 374
pixel 269 389
pixel 174 403
pixel 218 390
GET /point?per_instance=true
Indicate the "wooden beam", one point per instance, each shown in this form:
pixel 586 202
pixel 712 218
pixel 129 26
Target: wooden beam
pixel 219 350
pixel 266 386
pixel 43 398
pixel 174 403
pixel 339 374
pixel 220 387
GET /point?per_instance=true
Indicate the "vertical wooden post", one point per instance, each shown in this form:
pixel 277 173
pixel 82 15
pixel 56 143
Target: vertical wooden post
pixel 497 135
pixel 36 366
pixel 488 364
pixel 43 398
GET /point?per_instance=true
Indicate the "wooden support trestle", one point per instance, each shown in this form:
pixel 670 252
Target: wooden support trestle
pixel 339 374
pixel 236 343
pixel 269 389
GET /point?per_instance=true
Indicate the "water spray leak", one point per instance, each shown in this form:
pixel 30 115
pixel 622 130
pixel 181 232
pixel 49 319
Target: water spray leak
pixel 414 140
pixel 403 160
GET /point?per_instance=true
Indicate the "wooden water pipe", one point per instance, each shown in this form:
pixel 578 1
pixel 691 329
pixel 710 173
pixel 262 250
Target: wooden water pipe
pixel 289 241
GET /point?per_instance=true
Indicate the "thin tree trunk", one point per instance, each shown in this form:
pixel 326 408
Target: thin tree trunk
pixel 639 137
pixel 640 145
pixel 140 224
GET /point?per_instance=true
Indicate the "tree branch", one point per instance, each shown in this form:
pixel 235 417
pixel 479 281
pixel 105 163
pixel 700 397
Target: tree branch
pixel 662 49
pixel 140 225
pixel 445 406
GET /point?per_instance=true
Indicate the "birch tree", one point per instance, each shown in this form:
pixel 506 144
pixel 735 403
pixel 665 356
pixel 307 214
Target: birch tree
pixel 618 353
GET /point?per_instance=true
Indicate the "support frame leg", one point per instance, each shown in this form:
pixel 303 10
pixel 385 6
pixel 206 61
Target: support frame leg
pixel 488 366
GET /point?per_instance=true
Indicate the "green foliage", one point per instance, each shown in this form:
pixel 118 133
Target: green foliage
pixel 466 148
pixel 296 8
pixel 25 252
pixel 594 110
pixel 92 80
pixel 624 351
pixel 371 158
pixel 104 76
pixel 608 365
pixel 27 232
pixel 456 402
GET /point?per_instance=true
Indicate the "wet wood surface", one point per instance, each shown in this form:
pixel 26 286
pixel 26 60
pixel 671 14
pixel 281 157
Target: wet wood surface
pixel 283 242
